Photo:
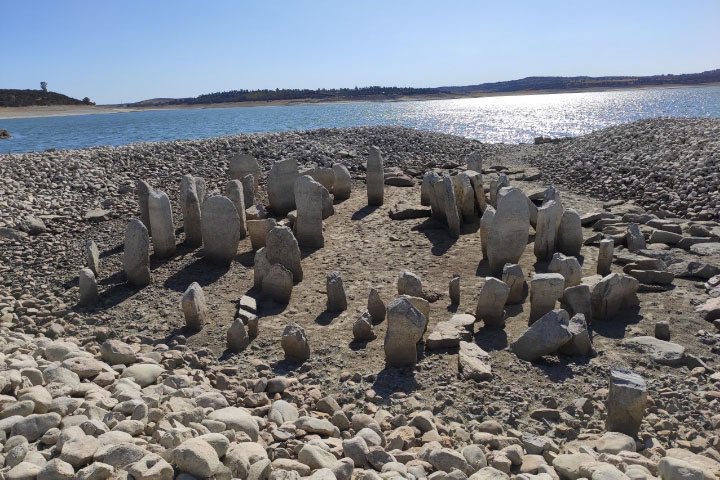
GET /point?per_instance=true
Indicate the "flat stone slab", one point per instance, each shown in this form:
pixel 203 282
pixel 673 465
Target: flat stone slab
pixel 710 310
pixel 404 211
pixel 660 351
pixel 709 248
pixel 474 362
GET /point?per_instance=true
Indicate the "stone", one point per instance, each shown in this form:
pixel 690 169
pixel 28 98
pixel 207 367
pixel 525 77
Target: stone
pixel 605 257
pixel 663 236
pixel 409 284
pixel 220 230
pixel 278 284
pixel 234 191
pixel 190 204
pixel 405 327
pixel 545 290
pixel 567 465
pixel 701 270
pixel 676 469
pixel 426 189
pixel 309 222
pixel 325 176
pixel 143 189
pixel 504 231
pixel 445 193
pixel 242 165
pixel 237 419
pixel 495 185
pixel 548 223
pixel 88 288
pixel 474 161
pixel 281 186
pixel 194 307
pixel 662 330
pixel 336 299
pixel 580 343
pixel 316 458
pixel 258 230
pixel 454 289
pixel 162 226
pixel 652 277
pixel 116 352
pixel 449 333
pixel 577 300
pixel 706 249
pixel 261 267
pixel 710 310
pixel 196 457
pixel 151 467
pixel 625 402
pixel 568 267
pixel 282 248
pixel 295 343
pixel 634 238
pixel 375 306
pixel 136 254
pixel 474 362
pixel 612 294
pixel 92 256
pixel 476 180
pixel 545 336
pixel 237 336
pixel 464 196
pixel 491 302
pixel 514 278
pixel 143 374
pixel 56 469
pixel 614 443
pixel 375 177
pixel 363 328
pixel 249 190
pixel 570 236
pixel 660 351
pixel 34 426
pixel 342 185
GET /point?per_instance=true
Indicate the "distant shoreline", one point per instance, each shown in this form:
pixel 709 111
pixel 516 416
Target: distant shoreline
pixel 9 113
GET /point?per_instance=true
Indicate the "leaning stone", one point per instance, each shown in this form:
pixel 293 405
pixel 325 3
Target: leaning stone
pixel 605 257
pixel 634 238
pixel 625 402
pixel 243 165
pixel 548 222
pixel 363 328
pixel 220 229
pixel 237 336
pixel 504 231
pixel 577 300
pixel 454 289
pixel 309 202
pixel 375 177
pixel 409 284
pixel 190 204
pixel 376 307
pixel 342 186
pixel 474 362
pixel 495 185
pixel 234 191
pixel 161 221
pixel 476 180
pixel 281 186
pixel 282 247
pixel 336 299
pixel 491 302
pixel 143 190
pixel 580 343
pixel 278 284
pixel 570 236
pixel 514 278
pixel 92 256
pixel 194 307
pixel 545 290
pixel 568 267
pixel 136 254
pixel 612 294
pixel 406 326
pixel 258 230
pixel 660 351
pixel 295 343
pixel 88 288
pixel 543 337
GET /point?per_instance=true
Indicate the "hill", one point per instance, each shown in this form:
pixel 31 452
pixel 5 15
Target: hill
pixel 29 98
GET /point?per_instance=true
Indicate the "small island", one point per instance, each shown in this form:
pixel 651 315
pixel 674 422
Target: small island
pixel 4 134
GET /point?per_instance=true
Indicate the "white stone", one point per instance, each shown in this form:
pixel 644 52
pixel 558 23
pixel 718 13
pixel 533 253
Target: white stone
pixel 309 222
pixel 194 307
pixel 491 302
pixel 220 229
pixel 161 221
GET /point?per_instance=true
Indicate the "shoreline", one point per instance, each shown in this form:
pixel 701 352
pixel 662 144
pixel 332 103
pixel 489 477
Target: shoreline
pixel 12 113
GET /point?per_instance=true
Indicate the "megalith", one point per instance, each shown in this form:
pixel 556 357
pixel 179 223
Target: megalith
pixel 258 230
pixel 278 284
pixel 474 161
pixel 496 184
pixel 514 278
pixel 234 191
pixel 568 267
pixel 92 256
pixel 409 283
pixel 88 288
pixel 309 222
pixel 136 253
pixel 476 180
pixel 615 292
pixel 464 196
pixel 545 336
pixel 295 343
pixel 375 306
pixel 161 223
pixel 220 229
pixel 634 238
pixel 504 232
pixel 242 165
pixel 281 186
pixel 545 290
pixel 405 327
pixel 605 256
pixel 248 183
pixel 548 222
pixel 190 205
pixel 343 185
pixel 375 177
pixel 491 302
pixel 336 298
pixel 143 189
pixel 282 247
pixel 626 402
pixel 570 236
pixel 194 307
pixel 445 203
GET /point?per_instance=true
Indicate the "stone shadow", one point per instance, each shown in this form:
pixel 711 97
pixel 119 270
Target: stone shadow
pixel 483 268
pixel 117 294
pixel 285 366
pixel 200 271
pixel 556 369
pixel 325 318
pixel 364 212
pixel 395 379
pixel 112 251
pixel 246 259
pixel 615 327
pixel 356 345
pixel 438 237
pixel 491 338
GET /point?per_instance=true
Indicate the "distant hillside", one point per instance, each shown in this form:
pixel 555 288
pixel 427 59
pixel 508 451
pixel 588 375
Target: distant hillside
pixel 529 84
pixel 30 98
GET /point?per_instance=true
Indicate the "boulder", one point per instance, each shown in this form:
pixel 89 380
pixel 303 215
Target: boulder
pixel 547 335
pixel 281 186
pixel 570 235
pixel 194 307
pixel 405 327
pixel 342 185
pixel 491 302
pixel 625 402
pixel 295 343
pixel 504 231
pixel 336 299
pixel 545 290
pixel 568 267
pixel 220 229
pixel 282 248
pixel 474 362
pixel 612 294
pixel 660 351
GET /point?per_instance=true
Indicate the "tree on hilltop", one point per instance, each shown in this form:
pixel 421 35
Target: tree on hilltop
pixel 43 86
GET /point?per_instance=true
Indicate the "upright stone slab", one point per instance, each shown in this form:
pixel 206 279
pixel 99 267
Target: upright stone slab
pixel 242 165
pixel 474 161
pixel 281 247
pixel 548 222
pixel 136 253
pixel 513 277
pixel 88 288
pixel 495 185
pixel 445 198
pixel 278 284
pixel 190 204
pixel 143 189
pixel 220 229
pixel 281 186
pixel 92 256
pixel 258 230
pixel 505 230
pixel 234 191
pixel 376 307
pixel 409 284
pixel 612 294
pixel 295 343
pixel 336 299
pixel 433 191
pixel 626 402
pixel 194 307
pixel 426 189
pixel 464 196
pixel 545 290
pixel 454 289
pixel 405 327
pixel 343 184
pixel 162 226
pixel 325 176
pixel 476 180
pixel 249 189
pixel 261 267
pixel 570 236
pixel 491 302
pixel 375 177
pixel 576 300
pixel 237 336
pixel 363 328
pixel 605 256
pixel 634 238
pixel 568 267
pixel 309 201
pixel 328 210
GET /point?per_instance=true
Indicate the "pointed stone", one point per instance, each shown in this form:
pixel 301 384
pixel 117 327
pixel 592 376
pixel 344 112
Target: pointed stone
pixel 343 185
pixel 162 226
pixel 88 288
pixel 281 186
pixel 375 177
pixel 194 307
pixel 92 256
pixel 234 191
pixel 376 307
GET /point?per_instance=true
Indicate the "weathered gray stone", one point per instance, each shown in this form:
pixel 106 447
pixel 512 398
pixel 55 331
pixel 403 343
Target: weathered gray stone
pixel 190 204
pixel 375 177
pixel 92 256
pixel 568 267
pixel 496 184
pixel 454 289
pixel 309 202
pixel 162 227
pixel 615 292
pixel 234 191
pixel 474 161
pixel 363 328
pixel 545 290
pixel 376 307
pixel 634 238
pixel 281 247
pixel 426 189
pixel 336 299
pixel 237 336
pixel 504 231
pixel 652 277
pixel 546 230
pixel 464 196
pixel 295 343
pixel 243 165
pixel 605 257
pixel 249 189
pixel 343 185
pixel 405 327
pixel 445 193
pixel 576 300
pixel 476 180
pixel 660 351
pixel 88 288
pixel 543 337
pixel 570 235
pixel 136 254
pixel 258 230
pixel 281 186
pixel 409 284
pixel 514 278
pixel 261 267
pixel 220 229
pixel 278 283
pixel 143 190
pixel 449 333
pixel 474 362
pixel 580 343
pixel 194 307
pixel 325 176
pixel 625 402
pixel 663 236
pixel 491 302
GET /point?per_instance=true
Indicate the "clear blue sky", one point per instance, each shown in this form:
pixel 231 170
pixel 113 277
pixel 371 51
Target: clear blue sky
pixel 122 51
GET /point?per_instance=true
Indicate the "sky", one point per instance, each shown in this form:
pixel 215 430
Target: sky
pixel 123 51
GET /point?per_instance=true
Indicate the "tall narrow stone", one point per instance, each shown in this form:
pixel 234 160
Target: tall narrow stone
pixel 426 189
pixel 261 267
pixel 343 184
pixel 548 222
pixel 282 247
pixel 626 402
pixel 242 165
pixel 491 302
pixel 309 222
pixel 143 189
pixel 454 289
pixel 570 236
pixel 248 183
pixel 92 256
pixel 234 191
pixel 162 226
pixel 190 204
pixel 136 253
pixel 88 288
pixel 281 186
pixel 474 161
pixel 545 290
pixel 495 185
pixel 446 203
pixel 476 180
pixel 464 196
pixel 505 230
pixel 514 278
pixel 220 229
pixel 605 256
pixel 405 327
pixel 635 239
pixel 336 299
pixel 375 177
pixel 376 307
pixel 194 307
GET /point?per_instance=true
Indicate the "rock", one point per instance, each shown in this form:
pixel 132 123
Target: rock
pixel 375 306
pixel 116 352
pixel 568 465
pixel 662 236
pixel 504 231
pixel 660 351
pixel 514 278
pixel 580 343
pixel 448 334
pixel 281 186
pixel 545 290
pixel 363 328
pixel 220 230
pixel 548 223
pixel 447 460
pixel 237 419
pixel 701 270
pixel 570 236
pixel 710 310
pixel 282 248
pixel 545 336
pixel 626 402
pixel 675 469
pixel 136 255
pixel 464 196
pixel 92 256
pixel 278 284
pixel 652 277
pixel 706 249
pixel 315 457
pixel 34 426
pixel 500 182
pixel 151 467
pixel 161 222
pixel 261 267
pixel 568 267
pixel 242 165
pixel 405 328
pixel 612 294
pixel 336 299
pixel 446 200
pixel 23 471
pixel 489 473
pixel 258 230
pixel 143 190
pixel 614 443
pixel 309 204
pixel 282 411
pixel 190 203
pixel 237 336
pixel 374 177
pixel 88 288
pixel 634 238
pixel 576 300
pixel 194 307
pixel 605 257
pixel 454 289
pixel 143 374
pixel 342 185
pixel 196 457
pixel 234 192
pixel 474 362
pixel 295 343
pixel 356 449
pixel 409 284
pixel 56 469
pixel 249 188
pixel 491 302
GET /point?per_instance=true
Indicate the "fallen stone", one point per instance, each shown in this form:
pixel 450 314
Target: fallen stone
pixel 660 351
pixel 543 337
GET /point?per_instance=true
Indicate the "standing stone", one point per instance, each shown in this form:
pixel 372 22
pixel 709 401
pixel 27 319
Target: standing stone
pixel 545 336
pixel 336 299
pixel 634 238
pixel 568 267
pixel 278 284
pixel 261 267
pixel 605 256
pixel 281 186
pixel 545 290
pixel 190 204
pixel 88 288
pixel 464 196
pixel 92 256
pixel 136 254
pixel 220 229
pixel 426 189
pixel 375 306
pixel 237 336
pixel 343 185
pixel 437 210
pixel 474 161
pixel 626 402
pixel 234 191
pixel 295 343
pixel 200 189
pixel 491 302
pixel 495 185
pixel 375 177
pixel 161 222
pixel 363 328
pixel 504 232
pixel 325 176
pixel 454 289
pixel 513 277
pixel 449 205
pixel 248 184
pixel 576 300
pixel 258 230
pixel 662 330
pixel 548 222
pixel 281 247
pixel 405 327
pixel 309 222
pixel 612 294
pixel 409 284
pixel 476 180
pixel 194 307
pixel 143 189
pixel 243 165
pixel 580 343
pixel 570 235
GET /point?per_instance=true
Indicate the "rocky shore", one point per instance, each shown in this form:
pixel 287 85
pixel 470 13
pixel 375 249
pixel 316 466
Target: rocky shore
pixel 121 388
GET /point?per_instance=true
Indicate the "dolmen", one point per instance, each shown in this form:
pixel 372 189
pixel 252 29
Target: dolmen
pixel 281 186
pixel 504 230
